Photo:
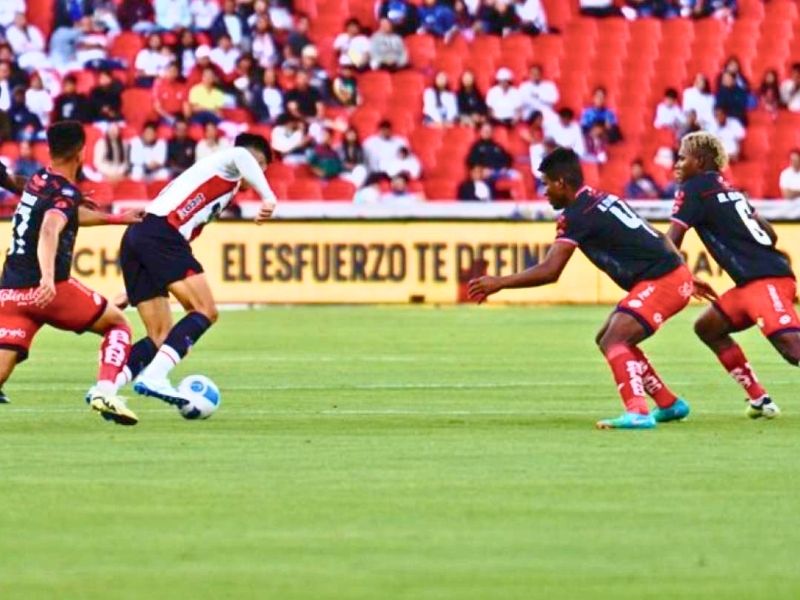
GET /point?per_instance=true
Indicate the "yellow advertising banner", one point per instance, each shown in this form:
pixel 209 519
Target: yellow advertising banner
pixel 378 262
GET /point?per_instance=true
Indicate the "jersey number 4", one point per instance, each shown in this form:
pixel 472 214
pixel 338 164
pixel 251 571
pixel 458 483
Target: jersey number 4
pixel 624 213
pixel 746 213
pixel 22 219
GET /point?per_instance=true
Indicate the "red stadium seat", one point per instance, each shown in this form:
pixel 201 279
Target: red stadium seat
pixel 154 188
pixel 137 107
pixel 130 190
pixel 421 50
pixel 41 153
pixel 440 189
pixel 41 13
pixel 99 193
pixel 278 171
pixel 304 189
pixel 9 150
pixel 338 189
pixel 126 46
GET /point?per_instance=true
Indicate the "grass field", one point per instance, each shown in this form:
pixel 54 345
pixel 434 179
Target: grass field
pixel 414 453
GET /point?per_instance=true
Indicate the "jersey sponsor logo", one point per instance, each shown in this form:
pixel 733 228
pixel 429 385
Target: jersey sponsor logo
pixel 777 303
pixel 18 297
pixel 679 197
pixel 785 319
pixel 14 334
pixel 186 209
pixel 685 290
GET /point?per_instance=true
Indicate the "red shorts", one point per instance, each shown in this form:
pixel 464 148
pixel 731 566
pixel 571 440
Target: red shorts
pixel 75 308
pixel 768 303
pixel 654 301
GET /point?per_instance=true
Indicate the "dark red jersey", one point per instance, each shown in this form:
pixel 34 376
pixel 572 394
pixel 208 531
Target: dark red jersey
pixel 616 239
pixel 44 192
pixel 725 222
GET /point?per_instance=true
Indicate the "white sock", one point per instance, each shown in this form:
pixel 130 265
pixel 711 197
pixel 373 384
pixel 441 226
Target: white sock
pixel 124 377
pixel 106 387
pixel 164 361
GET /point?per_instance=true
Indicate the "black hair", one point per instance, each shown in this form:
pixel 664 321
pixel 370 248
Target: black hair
pixel 65 138
pixel 563 163
pixel 256 142
pixel 671 93
pixel 566 113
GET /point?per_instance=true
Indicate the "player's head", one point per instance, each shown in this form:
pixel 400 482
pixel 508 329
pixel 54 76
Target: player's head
pixel 257 146
pixel 66 140
pixel 563 176
pixel 699 152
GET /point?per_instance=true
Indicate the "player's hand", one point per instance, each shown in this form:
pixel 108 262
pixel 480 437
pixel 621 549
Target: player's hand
pixel 120 301
pixel 703 290
pixel 45 293
pixel 265 212
pixel 481 288
pixel 129 217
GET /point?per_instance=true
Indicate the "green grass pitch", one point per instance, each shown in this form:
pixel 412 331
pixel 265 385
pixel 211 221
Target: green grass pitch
pixel 401 453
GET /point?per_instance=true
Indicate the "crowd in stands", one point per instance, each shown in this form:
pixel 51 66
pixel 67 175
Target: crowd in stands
pixel 208 69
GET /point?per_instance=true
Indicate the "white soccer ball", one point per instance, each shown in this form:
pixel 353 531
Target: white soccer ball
pixel 203 395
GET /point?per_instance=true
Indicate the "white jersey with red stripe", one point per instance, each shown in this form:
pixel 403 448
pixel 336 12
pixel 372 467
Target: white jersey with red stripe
pixel 201 192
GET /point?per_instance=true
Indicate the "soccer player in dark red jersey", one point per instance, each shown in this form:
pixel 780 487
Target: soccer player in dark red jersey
pixel 639 259
pixel 743 244
pixel 36 286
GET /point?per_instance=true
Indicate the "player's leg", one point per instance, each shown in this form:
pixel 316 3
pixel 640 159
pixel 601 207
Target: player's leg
pixel 8 360
pixel 156 316
pixel 17 330
pixel 788 344
pixel 714 328
pixel 194 294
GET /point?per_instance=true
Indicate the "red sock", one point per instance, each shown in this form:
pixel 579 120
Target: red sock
pixel 653 384
pixel 735 363
pixel 627 373
pixel 114 353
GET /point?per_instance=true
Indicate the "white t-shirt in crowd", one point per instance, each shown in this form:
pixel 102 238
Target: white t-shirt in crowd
pixel 504 104
pixel 790 180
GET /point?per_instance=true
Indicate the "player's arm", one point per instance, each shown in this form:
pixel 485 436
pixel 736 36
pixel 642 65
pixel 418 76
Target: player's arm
pixel 251 172
pixel 13 184
pixel 52 225
pixel 88 217
pixel 547 271
pixel 675 235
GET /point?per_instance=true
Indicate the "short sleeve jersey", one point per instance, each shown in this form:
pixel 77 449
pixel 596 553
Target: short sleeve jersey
pixel 44 192
pixel 615 239
pixel 725 222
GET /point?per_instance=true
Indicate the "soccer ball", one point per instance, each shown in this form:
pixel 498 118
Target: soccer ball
pixel 203 396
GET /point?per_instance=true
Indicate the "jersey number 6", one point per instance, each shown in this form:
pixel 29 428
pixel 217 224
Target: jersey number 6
pixel 746 214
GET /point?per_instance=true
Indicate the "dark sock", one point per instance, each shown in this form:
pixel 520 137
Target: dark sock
pixel 142 353
pixel 186 332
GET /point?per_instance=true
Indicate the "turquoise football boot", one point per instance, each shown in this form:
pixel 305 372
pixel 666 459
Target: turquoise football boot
pixel 677 412
pixel 628 420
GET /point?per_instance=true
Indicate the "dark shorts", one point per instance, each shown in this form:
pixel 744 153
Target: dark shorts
pixel 75 308
pixel 653 301
pixel 154 255
pixel 767 302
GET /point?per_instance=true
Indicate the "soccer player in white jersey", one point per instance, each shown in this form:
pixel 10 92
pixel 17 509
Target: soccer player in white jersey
pixel 157 260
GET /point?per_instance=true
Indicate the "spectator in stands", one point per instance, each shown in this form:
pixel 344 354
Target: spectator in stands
pixel 641 185
pixel 605 8
pixel 504 100
pixel 185 51
pixel 148 155
pixel 719 9
pixel 323 159
pixel 596 144
pixel 317 75
pixel 170 96
pixel 280 15
pixel 290 139
pixel 404 163
pixel 353 43
pixel 498 17
pixel 387 49
pixel 790 89
pixel 538 94
pixel 790 177
pixel 298 37
pixel 25 125
pixel 699 98
pixel 399 192
pixel 381 148
pixel 669 114
pixel 269 102
pixel 466 26
pixel 9 9
pixel 212 141
pixel 661 9
pixel 91 47
pixel 63 40
pixel 38 100
pixel 180 149
pixel 401 14
pixel 206 99
pixel 566 132
pixel 437 18
pixel 370 191
pixel 27 42
pixel 229 22
pixel 487 153
pixel 111 155
pixel 203 13
pixel 690 125
pixel 225 55
pixel 532 16
pixel 151 60
pixel 538 150
pixel 352 155
pixel 26 165
pixel 264 48
pixel 599 112
pixel 477 187
pixel 769 92
pixel 304 101
pixel 345 84
pixel 70 105
pixel 439 104
pixel 732 98
pixel 729 130
pixel 734 67
pixel 105 99
pixel 6 85
pixel 136 15
pixel 471 106
pixel 172 14
pixel 202 61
